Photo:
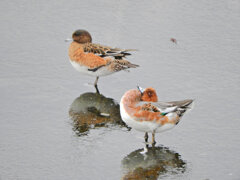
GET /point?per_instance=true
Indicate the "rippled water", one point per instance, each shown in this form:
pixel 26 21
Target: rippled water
pixel 54 126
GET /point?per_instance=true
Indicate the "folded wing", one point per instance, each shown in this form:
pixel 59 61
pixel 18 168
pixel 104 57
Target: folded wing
pixel 180 107
pixel 106 51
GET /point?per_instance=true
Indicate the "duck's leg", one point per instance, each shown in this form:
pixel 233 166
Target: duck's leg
pixel 153 139
pixel 146 137
pixel 96 81
pixel 95 84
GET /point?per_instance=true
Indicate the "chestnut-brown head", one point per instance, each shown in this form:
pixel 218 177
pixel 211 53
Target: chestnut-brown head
pixel 148 94
pixel 82 36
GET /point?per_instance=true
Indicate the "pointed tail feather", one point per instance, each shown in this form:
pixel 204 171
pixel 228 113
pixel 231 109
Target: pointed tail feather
pixel 126 50
pixel 127 63
pixel 183 106
pixel 130 65
pixel 182 103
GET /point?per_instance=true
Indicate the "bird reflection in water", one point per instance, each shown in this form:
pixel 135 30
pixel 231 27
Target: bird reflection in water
pixel 91 110
pixel 157 162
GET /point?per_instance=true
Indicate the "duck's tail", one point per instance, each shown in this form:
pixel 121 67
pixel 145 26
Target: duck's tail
pixel 183 106
pixel 126 64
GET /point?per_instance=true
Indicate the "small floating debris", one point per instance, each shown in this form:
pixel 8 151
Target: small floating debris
pixel 173 40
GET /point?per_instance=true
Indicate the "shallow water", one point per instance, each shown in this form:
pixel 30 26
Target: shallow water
pixel 39 136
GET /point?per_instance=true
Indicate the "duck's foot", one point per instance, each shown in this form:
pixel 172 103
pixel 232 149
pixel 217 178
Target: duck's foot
pixel 96 87
pixel 153 143
pixel 90 85
pixel 150 143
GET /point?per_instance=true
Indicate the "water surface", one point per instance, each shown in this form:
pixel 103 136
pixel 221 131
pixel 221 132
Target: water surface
pixel 39 136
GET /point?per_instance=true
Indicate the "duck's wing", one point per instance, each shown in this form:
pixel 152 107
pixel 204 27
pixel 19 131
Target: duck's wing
pixel 148 106
pixel 106 51
pixel 167 107
pixel 180 107
pixel 116 65
pixel 155 106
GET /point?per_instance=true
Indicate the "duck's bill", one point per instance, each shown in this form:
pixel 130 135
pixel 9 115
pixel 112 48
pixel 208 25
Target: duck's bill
pixel 140 89
pixel 68 39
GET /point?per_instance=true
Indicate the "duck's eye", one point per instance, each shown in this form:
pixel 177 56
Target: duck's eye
pixel 149 94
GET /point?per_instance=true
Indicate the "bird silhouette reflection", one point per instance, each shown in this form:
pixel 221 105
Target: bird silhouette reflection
pixel 92 110
pixel 156 162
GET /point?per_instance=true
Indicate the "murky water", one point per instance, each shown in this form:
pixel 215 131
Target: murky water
pixel 54 126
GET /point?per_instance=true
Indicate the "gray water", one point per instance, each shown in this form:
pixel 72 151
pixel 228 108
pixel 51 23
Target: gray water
pixel 47 131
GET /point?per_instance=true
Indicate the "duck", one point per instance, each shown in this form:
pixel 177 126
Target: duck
pixel 141 110
pixel 95 59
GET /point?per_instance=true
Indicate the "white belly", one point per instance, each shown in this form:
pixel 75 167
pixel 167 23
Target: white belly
pixel 144 126
pixel 103 71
